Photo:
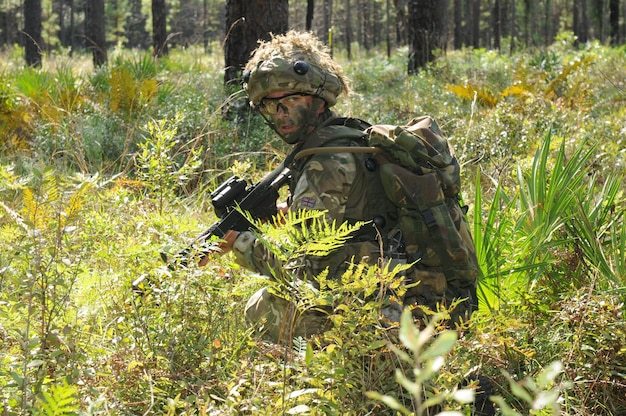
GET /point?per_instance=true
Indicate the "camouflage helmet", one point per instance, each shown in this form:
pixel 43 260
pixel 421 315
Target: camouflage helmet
pixel 295 61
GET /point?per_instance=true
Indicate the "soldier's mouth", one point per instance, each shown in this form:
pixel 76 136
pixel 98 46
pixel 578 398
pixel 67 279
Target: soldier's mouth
pixel 286 128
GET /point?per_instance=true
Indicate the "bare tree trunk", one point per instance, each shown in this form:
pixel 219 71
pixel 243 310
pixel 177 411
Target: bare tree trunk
pixel 367 21
pixel 513 22
pixel 475 23
pixel 547 30
pixel 623 28
pixel 205 23
pixel 247 22
pixel 585 21
pixel 62 32
pixel 348 30
pixel 376 26
pixel 426 29
pixel 614 21
pixel 135 27
pixel 185 23
pixel 328 21
pixel 328 15
pixel 388 29
pixel 95 31
pixel 576 18
pixel 159 28
pixel 530 23
pixel 497 24
pixel 401 22
pixel 600 10
pixel 359 21
pixel 310 9
pixel 581 22
pixel 72 27
pixel 458 24
pixel 32 33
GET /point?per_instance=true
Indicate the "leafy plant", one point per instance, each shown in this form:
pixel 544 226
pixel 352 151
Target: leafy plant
pixel 590 330
pixel 161 164
pixel 133 86
pixel 558 213
pixel 539 395
pixel 427 350
pixel 40 284
pixel 58 399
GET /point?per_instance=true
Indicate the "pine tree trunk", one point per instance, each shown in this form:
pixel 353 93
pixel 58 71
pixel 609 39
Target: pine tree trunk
pixel 159 28
pixel 614 21
pixel 497 24
pixel 95 31
pixel 310 9
pixel 247 22
pixel 475 23
pixel 458 24
pixel 426 31
pixel 401 21
pixel 348 30
pixel 32 33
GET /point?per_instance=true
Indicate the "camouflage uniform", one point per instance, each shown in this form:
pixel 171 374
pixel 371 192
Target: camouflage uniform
pixel 343 183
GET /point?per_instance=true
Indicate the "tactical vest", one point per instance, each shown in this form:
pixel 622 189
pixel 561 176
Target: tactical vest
pixel 366 202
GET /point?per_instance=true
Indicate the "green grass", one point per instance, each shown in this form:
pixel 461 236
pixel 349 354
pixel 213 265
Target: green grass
pixel 93 188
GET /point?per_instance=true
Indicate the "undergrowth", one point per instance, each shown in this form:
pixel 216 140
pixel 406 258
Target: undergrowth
pixel 102 171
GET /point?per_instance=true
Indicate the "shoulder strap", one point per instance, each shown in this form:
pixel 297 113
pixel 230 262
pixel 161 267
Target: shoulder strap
pixel 338 128
pixel 337 149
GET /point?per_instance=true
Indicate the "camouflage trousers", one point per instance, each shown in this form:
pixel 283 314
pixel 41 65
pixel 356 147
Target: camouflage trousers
pixel 434 293
pixel 279 320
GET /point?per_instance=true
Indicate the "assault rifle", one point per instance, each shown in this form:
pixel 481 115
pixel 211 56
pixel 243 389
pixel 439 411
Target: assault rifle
pixel 229 200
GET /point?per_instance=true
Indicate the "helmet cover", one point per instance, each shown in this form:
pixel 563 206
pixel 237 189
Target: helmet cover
pixel 294 62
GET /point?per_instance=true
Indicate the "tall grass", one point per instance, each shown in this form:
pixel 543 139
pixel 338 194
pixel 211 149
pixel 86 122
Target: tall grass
pixel 559 226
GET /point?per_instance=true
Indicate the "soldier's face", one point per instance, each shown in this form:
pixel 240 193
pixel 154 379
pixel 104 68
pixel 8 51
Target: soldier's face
pixel 293 114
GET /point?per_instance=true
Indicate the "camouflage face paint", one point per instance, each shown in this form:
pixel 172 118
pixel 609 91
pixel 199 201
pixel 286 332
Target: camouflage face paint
pixel 295 116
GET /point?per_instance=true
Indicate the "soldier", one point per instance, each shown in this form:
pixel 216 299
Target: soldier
pixel 294 83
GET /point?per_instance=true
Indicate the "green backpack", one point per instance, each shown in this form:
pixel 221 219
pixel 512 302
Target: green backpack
pixel 421 176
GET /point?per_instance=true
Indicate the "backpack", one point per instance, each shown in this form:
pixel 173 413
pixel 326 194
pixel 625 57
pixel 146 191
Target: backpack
pixel 420 174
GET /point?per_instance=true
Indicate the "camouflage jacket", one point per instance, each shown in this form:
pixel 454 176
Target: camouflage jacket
pixel 340 184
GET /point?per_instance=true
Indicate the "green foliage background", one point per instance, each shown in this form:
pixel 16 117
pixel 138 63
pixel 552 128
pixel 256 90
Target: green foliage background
pixel 101 171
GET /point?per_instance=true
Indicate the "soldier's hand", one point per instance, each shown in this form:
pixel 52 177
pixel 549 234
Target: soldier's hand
pixel 223 246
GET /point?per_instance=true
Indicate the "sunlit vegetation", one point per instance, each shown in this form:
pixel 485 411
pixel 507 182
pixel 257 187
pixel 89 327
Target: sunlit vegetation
pixel 101 171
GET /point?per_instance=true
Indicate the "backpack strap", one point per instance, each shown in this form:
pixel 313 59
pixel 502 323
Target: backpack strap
pixel 337 149
pixel 333 129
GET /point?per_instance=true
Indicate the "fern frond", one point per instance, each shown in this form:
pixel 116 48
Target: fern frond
pixel 77 200
pixel 469 92
pixel 515 91
pixel 60 399
pixel 309 233
pixel 15 216
pixel 565 73
pixel 148 90
pixel 325 237
pixel 31 212
pixel 462 91
pixel 123 90
pixel 50 187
